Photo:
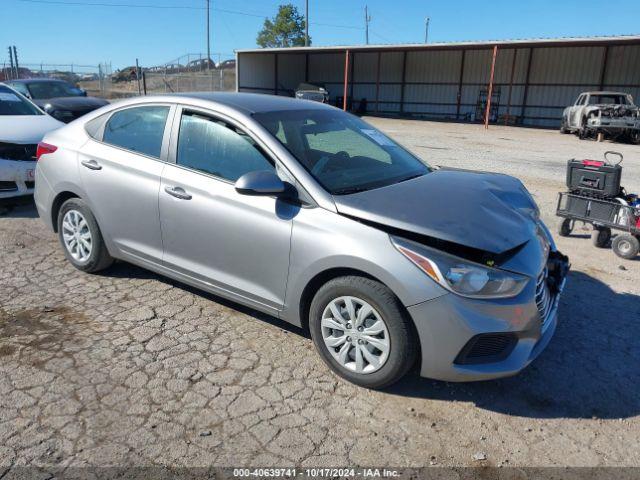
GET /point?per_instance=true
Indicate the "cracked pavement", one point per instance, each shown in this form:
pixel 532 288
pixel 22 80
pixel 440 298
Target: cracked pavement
pixel 128 368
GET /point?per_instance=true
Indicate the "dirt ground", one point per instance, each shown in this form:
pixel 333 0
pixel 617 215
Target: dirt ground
pixel 128 368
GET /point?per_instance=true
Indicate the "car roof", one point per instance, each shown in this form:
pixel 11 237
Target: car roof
pixel 605 92
pixel 36 80
pixel 254 102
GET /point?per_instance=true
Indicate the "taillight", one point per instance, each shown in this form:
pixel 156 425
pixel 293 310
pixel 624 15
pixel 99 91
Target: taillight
pixel 44 149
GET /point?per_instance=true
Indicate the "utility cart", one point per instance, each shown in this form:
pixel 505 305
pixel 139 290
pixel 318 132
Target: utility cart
pixel 596 198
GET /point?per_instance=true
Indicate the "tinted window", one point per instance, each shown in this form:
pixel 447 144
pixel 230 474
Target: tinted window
pixel 42 90
pixel 20 88
pixel 13 104
pixel 217 148
pixel 342 152
pixel 139 129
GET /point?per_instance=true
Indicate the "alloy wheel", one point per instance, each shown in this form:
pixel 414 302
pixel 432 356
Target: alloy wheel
pixel 76 235
pixel 355 334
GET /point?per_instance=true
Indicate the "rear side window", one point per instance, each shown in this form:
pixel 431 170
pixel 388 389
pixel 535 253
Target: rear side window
pixel 215 147
pixel 139 129
pixel 13 104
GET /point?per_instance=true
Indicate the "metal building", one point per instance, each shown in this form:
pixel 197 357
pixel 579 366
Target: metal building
pixel 529 82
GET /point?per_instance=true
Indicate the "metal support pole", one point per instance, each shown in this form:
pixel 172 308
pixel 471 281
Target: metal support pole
pixel 306 24
pixel 603 70
pixel 490 91
pixel 460 79
pixel 11 63
pixel 138 77
pixel 208 38
pixel 15 59
pixel 367 19
pixel 275 73
pixel 525 96
pixel 346 80
pixel 378 82
pixel 426 29
pixel 513 71
pixel 144 82
pixel 402 85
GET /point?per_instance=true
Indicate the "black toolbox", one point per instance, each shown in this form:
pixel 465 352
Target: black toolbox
pixel 593 178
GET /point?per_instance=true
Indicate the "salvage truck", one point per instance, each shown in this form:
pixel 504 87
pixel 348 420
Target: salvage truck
pixel 611 113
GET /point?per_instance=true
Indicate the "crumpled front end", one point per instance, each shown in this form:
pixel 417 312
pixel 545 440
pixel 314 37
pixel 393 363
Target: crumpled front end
pixel 467 339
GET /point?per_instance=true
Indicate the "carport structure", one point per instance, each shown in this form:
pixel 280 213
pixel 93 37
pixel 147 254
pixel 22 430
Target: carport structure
pixel 526 82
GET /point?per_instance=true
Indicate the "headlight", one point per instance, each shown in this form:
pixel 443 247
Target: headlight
pixel 61 114
pixel 460 276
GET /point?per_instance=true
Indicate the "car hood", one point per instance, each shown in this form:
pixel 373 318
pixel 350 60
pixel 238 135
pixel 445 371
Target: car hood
pixel 486 211
pixel 27 129
pixel 72 103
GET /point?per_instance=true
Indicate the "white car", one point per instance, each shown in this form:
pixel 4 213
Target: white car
pixel 22 126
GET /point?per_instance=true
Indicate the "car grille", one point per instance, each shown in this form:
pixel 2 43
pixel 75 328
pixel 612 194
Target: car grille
pixel 544 299
pixel 487 348
pixel 17 151
pixel 8 186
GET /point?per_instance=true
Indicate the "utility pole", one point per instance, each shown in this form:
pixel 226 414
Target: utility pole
pixel 15 59
pixel 426 30
pixel 367 19
pixel 11 62
pixel 306 24
pixel 208 40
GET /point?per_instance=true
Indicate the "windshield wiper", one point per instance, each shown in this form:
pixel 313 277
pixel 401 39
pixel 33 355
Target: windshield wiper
pixel 347 191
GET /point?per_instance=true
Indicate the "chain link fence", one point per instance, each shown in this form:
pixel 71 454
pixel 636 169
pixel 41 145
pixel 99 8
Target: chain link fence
pixel 188 73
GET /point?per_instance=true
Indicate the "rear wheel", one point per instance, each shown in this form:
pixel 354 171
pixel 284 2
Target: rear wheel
pixel 362 332
pixel 563 126
pixel 600 236
pixel 565 227
pixel 626 246
pixel 634 136
pixel 81 238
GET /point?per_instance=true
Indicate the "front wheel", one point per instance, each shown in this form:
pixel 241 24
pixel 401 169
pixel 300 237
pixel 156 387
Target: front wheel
pixel 362 332
pixel 626 246
pixel 600 236
pixel 81 238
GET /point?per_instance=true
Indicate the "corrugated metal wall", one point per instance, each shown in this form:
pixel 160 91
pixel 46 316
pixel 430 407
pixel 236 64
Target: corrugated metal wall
pixel 532 85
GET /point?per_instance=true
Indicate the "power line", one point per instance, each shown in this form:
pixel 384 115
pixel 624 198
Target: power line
pixel 166 7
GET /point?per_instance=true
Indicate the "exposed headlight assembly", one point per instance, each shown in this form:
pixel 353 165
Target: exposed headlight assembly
pixel 460 276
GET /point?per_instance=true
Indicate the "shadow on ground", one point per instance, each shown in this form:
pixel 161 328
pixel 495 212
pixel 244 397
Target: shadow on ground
pixel 589 370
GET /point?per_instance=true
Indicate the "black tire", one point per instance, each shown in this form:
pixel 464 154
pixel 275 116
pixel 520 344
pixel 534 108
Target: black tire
pixel 402 337
pixel 634 137
pixel 583 132
pixel 99 257
pixel 565 228
pixel 600 236
pixel 563 126
pixel 626 246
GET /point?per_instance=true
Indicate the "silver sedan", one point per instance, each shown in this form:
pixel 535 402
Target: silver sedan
pixel 307 213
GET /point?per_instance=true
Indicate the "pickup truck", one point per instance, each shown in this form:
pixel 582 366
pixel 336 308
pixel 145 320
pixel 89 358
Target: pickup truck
pixel 611 113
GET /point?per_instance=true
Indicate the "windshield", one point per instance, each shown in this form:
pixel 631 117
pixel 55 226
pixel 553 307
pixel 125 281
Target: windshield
pixel 607 100
pixel 13 104
pixel 343 153
pixel 43 90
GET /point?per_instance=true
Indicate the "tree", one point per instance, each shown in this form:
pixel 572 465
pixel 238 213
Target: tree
pixel 286 29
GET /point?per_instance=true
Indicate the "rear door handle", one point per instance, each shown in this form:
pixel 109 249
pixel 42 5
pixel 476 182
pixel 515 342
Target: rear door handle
pixel 91 164
pixel 177 192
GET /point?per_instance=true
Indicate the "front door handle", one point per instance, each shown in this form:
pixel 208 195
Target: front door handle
pixel 91 164
pixel 177 192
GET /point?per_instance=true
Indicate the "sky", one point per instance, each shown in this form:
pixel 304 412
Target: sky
pixel 88 32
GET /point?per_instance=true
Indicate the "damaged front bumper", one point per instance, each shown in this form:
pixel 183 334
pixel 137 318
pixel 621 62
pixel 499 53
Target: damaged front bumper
pixel 17 177
pixel 465 339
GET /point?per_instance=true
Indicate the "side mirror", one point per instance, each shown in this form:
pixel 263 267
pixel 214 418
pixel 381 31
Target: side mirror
pixel 262 182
